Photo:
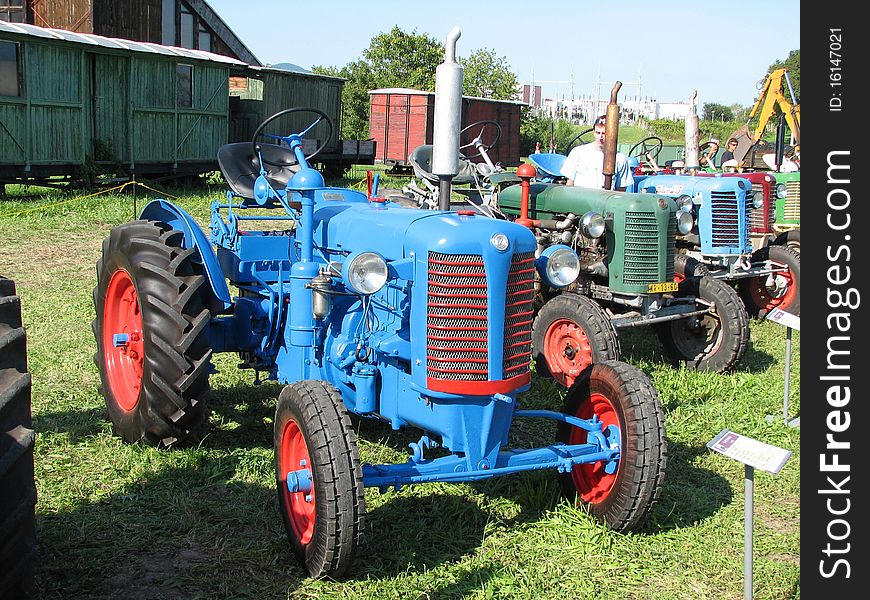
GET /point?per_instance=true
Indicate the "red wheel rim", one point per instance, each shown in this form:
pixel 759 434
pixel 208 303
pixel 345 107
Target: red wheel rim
pixel 299 505
pixel 123 349
pixel 567 351
pixel 765 300
pixel 593 484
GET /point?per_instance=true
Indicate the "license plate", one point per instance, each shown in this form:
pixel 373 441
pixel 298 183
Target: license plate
pixel 658 288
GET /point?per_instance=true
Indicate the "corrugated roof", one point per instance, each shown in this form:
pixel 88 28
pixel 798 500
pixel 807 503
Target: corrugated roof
pixel 115 43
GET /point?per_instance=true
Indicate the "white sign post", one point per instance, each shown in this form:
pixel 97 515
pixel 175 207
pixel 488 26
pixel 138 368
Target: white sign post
pixel 753 454
pixel 790 322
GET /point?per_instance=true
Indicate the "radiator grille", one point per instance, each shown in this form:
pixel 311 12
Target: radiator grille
pixel 763 218
pixel 792 211
pixel 642 259
pixel 725 213
pixel 458 317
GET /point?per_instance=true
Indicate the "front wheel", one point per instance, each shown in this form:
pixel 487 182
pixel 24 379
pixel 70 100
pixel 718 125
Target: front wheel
pixel 624 399
pixel 319 477
pixel 715 341
pixel 790 238
pixel 151 329
pixel 780 290
pixel 570 333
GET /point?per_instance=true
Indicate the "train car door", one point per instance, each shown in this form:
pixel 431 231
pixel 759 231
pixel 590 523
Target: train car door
pixel 111 108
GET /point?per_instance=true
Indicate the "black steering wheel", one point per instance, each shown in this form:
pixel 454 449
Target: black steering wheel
pixel 577 140
pixel 479 138
pixel 702 149
pixel 286 160
pixel 651 145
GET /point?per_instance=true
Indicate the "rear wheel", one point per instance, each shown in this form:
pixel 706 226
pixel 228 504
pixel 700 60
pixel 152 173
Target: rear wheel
pixel 791 238
pixel 571 332
pixel 687 267
pixel 319 477
pixel 17 488
pixel 151 329
pixel 624 399
pixel 781 290
pixel 715 341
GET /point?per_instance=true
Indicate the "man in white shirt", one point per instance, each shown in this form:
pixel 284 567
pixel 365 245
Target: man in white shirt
pixel 584 165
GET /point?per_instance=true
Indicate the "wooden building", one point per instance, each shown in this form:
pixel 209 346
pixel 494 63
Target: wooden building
pixel 191 24
pixel 402 119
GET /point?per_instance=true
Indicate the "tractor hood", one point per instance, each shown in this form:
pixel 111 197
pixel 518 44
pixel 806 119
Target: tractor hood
pixel 688 185
pixel 395 231
pixel 547 200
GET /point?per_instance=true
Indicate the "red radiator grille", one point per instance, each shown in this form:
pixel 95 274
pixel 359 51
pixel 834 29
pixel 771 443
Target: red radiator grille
pixel 458 317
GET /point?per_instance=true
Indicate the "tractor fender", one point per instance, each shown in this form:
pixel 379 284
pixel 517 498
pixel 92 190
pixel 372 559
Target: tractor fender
pixel 194 238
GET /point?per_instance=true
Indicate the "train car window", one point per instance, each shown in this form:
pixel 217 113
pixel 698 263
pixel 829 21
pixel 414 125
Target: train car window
pixel 185 86
pixel 10 74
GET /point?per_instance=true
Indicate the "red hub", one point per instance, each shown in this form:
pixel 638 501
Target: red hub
pixel 593 484
pixel 567 351
pixel 780 293
pixel 123 348
pixel 300 506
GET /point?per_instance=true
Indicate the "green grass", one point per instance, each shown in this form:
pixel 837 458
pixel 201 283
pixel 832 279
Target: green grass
pixel 117 520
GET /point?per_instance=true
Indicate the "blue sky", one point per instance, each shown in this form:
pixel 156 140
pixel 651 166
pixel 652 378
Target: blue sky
pixel 670 48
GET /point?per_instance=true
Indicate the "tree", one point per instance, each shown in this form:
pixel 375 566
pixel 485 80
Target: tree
pixel 717 112
pixel 487 76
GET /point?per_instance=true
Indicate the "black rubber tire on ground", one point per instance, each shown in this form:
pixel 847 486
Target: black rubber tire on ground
pixel 686 266
pixel 17 487
pixel 311 422
pixel 758 299
pixel 173 355
pixel 624 396
pixel 791 238
pixel 716 341
pixel 569 333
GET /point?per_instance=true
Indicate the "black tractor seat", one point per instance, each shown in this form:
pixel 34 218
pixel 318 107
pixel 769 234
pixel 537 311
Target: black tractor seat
pixel 241 167
pixel 421 160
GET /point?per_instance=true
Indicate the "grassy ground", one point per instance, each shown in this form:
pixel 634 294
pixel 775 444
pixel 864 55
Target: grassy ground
pixel 117 520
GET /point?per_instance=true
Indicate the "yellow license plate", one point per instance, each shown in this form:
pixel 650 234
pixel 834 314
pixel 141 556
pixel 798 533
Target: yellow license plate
pixel 658 288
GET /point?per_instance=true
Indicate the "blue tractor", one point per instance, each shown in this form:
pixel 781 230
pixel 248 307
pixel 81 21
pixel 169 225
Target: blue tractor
pixel 359 306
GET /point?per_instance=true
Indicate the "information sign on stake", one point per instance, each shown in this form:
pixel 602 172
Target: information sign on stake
pixel 790 322
pixel 753 454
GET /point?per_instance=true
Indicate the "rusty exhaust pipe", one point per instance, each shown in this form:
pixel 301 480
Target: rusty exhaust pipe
pixel 611 132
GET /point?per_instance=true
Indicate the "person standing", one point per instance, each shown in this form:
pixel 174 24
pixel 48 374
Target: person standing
pixel 584 165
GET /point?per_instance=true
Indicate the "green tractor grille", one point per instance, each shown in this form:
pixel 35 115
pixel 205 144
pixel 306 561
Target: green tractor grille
pixel 725 209
pixel 643 260
pixel 792 211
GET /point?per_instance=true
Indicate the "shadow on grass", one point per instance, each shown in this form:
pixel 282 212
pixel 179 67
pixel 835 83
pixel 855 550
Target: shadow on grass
pixel 75 423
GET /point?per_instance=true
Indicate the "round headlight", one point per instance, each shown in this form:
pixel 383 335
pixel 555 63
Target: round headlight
pixel 499 241
pixel 757 199
pixel 781 191
pixel 684 222
pixel 364 272
pixel 684 203
pixel 558 266
pixel 592 225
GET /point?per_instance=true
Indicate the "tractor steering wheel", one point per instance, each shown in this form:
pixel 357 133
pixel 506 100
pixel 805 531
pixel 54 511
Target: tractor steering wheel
pixel 650 145
pixel 322 116
pixel 577 140
pixel 479 138
pixel 702 149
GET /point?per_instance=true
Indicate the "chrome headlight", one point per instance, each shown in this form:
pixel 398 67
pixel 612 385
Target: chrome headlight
pixel 781 191
pixel 592 224
pixel 364 272
pixel 757 199
pixel 684 203
pixel 558 266
pixel 685 221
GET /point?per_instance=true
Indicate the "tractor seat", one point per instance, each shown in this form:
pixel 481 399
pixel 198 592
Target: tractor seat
pixel 421 160
pixel 548 164
pixel 241 167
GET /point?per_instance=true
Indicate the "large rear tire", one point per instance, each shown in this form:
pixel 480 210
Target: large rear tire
pixel 324 511
pixel 715 341
pixel 790 238
pixel 571 332
pixel 17 487
pixel 779 290
pixel 621 396
pixel 151 329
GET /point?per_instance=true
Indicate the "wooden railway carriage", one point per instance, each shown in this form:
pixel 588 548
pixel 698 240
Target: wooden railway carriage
pixel 74 104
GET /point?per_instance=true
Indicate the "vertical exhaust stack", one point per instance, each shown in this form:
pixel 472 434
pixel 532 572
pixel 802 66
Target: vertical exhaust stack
pixel 611 133
pixel 448 117
pixel 693 136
